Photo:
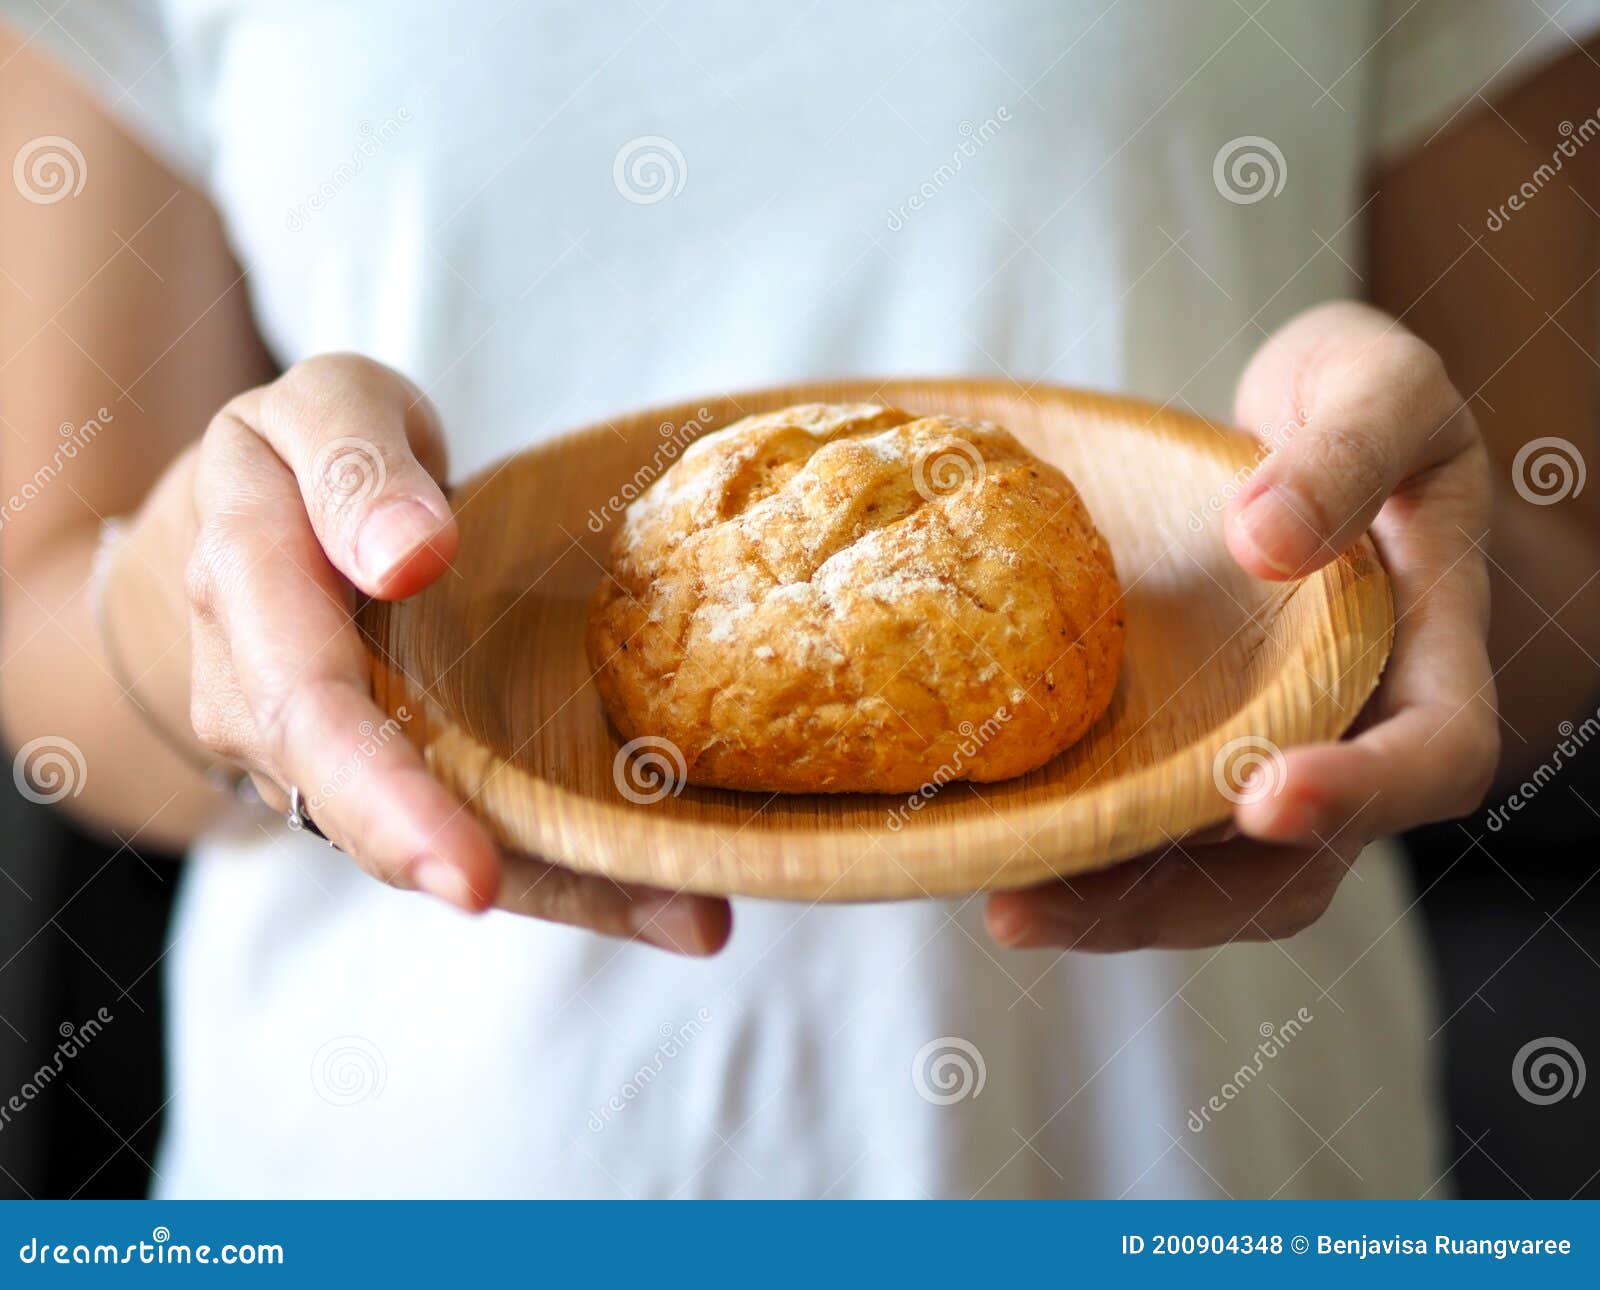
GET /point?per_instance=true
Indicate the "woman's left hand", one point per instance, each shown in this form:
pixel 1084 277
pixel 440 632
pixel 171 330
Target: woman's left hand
pixel 1376 440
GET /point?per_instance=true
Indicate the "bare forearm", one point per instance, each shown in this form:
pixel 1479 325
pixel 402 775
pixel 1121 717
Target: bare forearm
pixel 102 695
pixel 147 341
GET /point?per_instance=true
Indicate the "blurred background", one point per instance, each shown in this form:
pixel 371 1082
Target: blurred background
pixel 82 928
pixel 1515 940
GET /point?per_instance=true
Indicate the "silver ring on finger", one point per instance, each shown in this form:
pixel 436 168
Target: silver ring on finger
pixel 298 820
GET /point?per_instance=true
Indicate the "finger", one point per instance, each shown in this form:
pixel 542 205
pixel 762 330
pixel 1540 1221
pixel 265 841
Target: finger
pixel 681 922
pixel 217 710
pixel 261 579
pixel 274 796
pixel 1432 748
pixel 1432 760
pixel 1227 831
pixel 1430 763
pixel 1354 406
pixel 366 451
pixel 1181 899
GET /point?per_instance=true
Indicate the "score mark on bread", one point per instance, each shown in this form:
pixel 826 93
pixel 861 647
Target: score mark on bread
pixel 853 599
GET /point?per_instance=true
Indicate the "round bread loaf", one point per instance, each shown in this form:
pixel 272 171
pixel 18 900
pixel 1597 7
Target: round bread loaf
pixel 853 599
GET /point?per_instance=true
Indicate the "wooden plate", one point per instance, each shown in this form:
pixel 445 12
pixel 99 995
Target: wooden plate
pixel 1220 670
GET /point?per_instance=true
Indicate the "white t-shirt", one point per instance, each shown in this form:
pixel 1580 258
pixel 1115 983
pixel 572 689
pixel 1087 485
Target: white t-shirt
pixel 548 212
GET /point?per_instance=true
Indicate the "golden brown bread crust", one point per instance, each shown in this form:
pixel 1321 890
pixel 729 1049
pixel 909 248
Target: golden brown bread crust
pixel 848 598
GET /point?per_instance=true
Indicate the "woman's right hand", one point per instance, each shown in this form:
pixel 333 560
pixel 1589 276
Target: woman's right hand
pixel 304 490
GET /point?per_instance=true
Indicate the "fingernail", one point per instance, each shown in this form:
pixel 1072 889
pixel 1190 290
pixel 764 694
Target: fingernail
pixel 1278 525
pixel 670 922
pixel 444 881
pixel 1010 929
pixel 392 533
pixel 1286 818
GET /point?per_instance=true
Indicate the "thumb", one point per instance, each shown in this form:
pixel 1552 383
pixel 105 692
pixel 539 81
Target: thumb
pixel 1362 406
pixel 366 451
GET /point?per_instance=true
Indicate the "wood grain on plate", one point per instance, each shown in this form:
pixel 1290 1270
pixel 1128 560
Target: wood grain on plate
pixel 1220 669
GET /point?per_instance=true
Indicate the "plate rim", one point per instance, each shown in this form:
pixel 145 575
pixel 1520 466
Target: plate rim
pixel 1359 572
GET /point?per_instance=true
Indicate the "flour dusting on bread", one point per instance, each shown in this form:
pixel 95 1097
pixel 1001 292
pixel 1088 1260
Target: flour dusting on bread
pixel 817 599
